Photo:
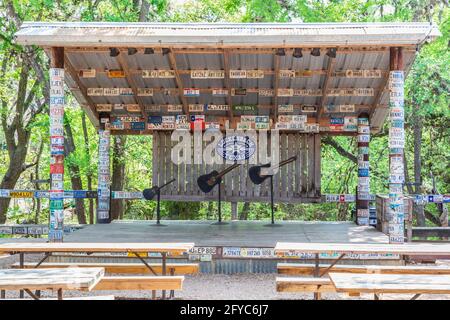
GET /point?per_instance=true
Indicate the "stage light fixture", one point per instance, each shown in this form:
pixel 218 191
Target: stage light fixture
pixel 132 51
pixel 280 52
pixel 149 51
pixel 297 53
pixel 315 52
pixel 114 52
pixel 331 52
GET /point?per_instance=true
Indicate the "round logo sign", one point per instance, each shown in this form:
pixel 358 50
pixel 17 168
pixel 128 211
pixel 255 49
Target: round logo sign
pixel 236 147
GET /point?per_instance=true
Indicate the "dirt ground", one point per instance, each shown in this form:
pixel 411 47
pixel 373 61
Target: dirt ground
pixel 217 287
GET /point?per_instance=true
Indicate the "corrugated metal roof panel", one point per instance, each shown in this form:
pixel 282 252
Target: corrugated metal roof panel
pixel 117 33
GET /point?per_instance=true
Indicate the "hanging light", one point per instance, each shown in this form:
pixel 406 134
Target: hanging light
pixel 297 53
pixel 315 52
pixel 132 51
pixel 149 51
pixel 114 52
pixel 165 51
pixel 280 52
pixel 331 52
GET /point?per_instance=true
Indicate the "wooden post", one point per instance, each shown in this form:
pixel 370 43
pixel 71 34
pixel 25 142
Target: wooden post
pixel 363 188
pixel 396 210
pixel 56 216
pixel 104 177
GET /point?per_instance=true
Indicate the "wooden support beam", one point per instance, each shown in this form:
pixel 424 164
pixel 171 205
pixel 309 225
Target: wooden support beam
pixel 326 84
pixel 173 66
pixel 276 69
pixel 124 65
pixel 226 67
pixel 74 75
pixel 57 57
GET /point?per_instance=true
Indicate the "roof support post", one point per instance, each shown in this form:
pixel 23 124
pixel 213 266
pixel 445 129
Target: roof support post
pixel 396 210
pixel 56 221
pixel 104 175
pixel 363 188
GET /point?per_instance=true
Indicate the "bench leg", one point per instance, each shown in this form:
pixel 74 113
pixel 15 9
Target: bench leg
pixel 60 294
pixel 2 294
pixel 376 296
pixel 163 255
pixel 21 262
pixel 172 292
pixel 416 296
pixel 316 275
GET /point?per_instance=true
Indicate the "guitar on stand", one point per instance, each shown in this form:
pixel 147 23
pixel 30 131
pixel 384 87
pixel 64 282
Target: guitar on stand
pixel 207 182
pixel 257 177
pixel 149 194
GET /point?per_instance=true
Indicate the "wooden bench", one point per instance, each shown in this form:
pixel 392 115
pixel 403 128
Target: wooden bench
pixel 303 284
pixel 140 283
pixel 308 269
pixel 123 268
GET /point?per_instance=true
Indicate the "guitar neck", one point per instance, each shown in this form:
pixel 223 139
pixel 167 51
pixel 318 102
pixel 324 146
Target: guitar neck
pixel 225 171
pixel 284 162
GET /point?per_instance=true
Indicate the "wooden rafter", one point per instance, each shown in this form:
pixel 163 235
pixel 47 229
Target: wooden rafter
pixel 276 70
pixel 124 65
pixel 254 49
pixel 74 75
pixel 326 84
pixel 226 66
pixel 173 66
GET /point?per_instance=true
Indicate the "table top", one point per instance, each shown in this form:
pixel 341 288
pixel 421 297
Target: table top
pixel 83 279
pixel 356 248
pixel 175 248
pixel 390 283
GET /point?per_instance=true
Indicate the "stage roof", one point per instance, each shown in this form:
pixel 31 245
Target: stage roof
pixel 353 82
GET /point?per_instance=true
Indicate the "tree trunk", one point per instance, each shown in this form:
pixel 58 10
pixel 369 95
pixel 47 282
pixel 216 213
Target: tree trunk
pixel 243 215
pixel 118 175
pixel 74 169
pixel 145 9
pixel 15 169
pixel 418 124
pixel 89 171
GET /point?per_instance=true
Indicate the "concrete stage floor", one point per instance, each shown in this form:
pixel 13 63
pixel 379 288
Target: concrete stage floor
pixel 235 233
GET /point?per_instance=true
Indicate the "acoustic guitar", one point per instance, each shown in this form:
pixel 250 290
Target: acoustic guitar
pixel 255 171
pixel 208 181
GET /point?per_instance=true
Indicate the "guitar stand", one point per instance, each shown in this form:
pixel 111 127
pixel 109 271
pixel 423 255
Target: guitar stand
pixel 219 208
pixel 272 223
pixel 158 211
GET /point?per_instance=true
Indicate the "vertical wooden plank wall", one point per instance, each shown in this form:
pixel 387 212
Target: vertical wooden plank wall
pixel 293 182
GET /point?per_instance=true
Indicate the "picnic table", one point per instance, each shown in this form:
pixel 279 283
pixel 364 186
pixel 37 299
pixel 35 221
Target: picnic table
pixel 84 279
pixel 343 249
pixel 416 284
pixel 136 249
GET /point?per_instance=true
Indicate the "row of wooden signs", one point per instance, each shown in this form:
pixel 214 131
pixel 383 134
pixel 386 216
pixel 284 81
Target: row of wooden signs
pixel 195 92
pixel 234 74
pixel 177 108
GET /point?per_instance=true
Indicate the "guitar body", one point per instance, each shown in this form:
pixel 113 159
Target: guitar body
pixel 208 181
pixel 150 193
pixel 255 174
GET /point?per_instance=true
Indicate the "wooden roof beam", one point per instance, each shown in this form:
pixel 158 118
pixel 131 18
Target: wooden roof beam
pixel 276 69
pixel 173 66
pixel 226 67
pixel 326 84
pixel 124 65
pixel 74 75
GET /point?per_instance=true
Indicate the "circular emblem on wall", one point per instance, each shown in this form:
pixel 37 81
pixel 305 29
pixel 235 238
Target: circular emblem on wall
pixel 236 147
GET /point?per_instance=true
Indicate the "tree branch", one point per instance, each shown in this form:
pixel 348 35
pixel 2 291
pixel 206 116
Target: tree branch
pixel 339 149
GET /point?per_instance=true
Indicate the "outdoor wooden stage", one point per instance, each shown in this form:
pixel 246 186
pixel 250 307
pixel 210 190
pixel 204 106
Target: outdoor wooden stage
pixel 235 233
